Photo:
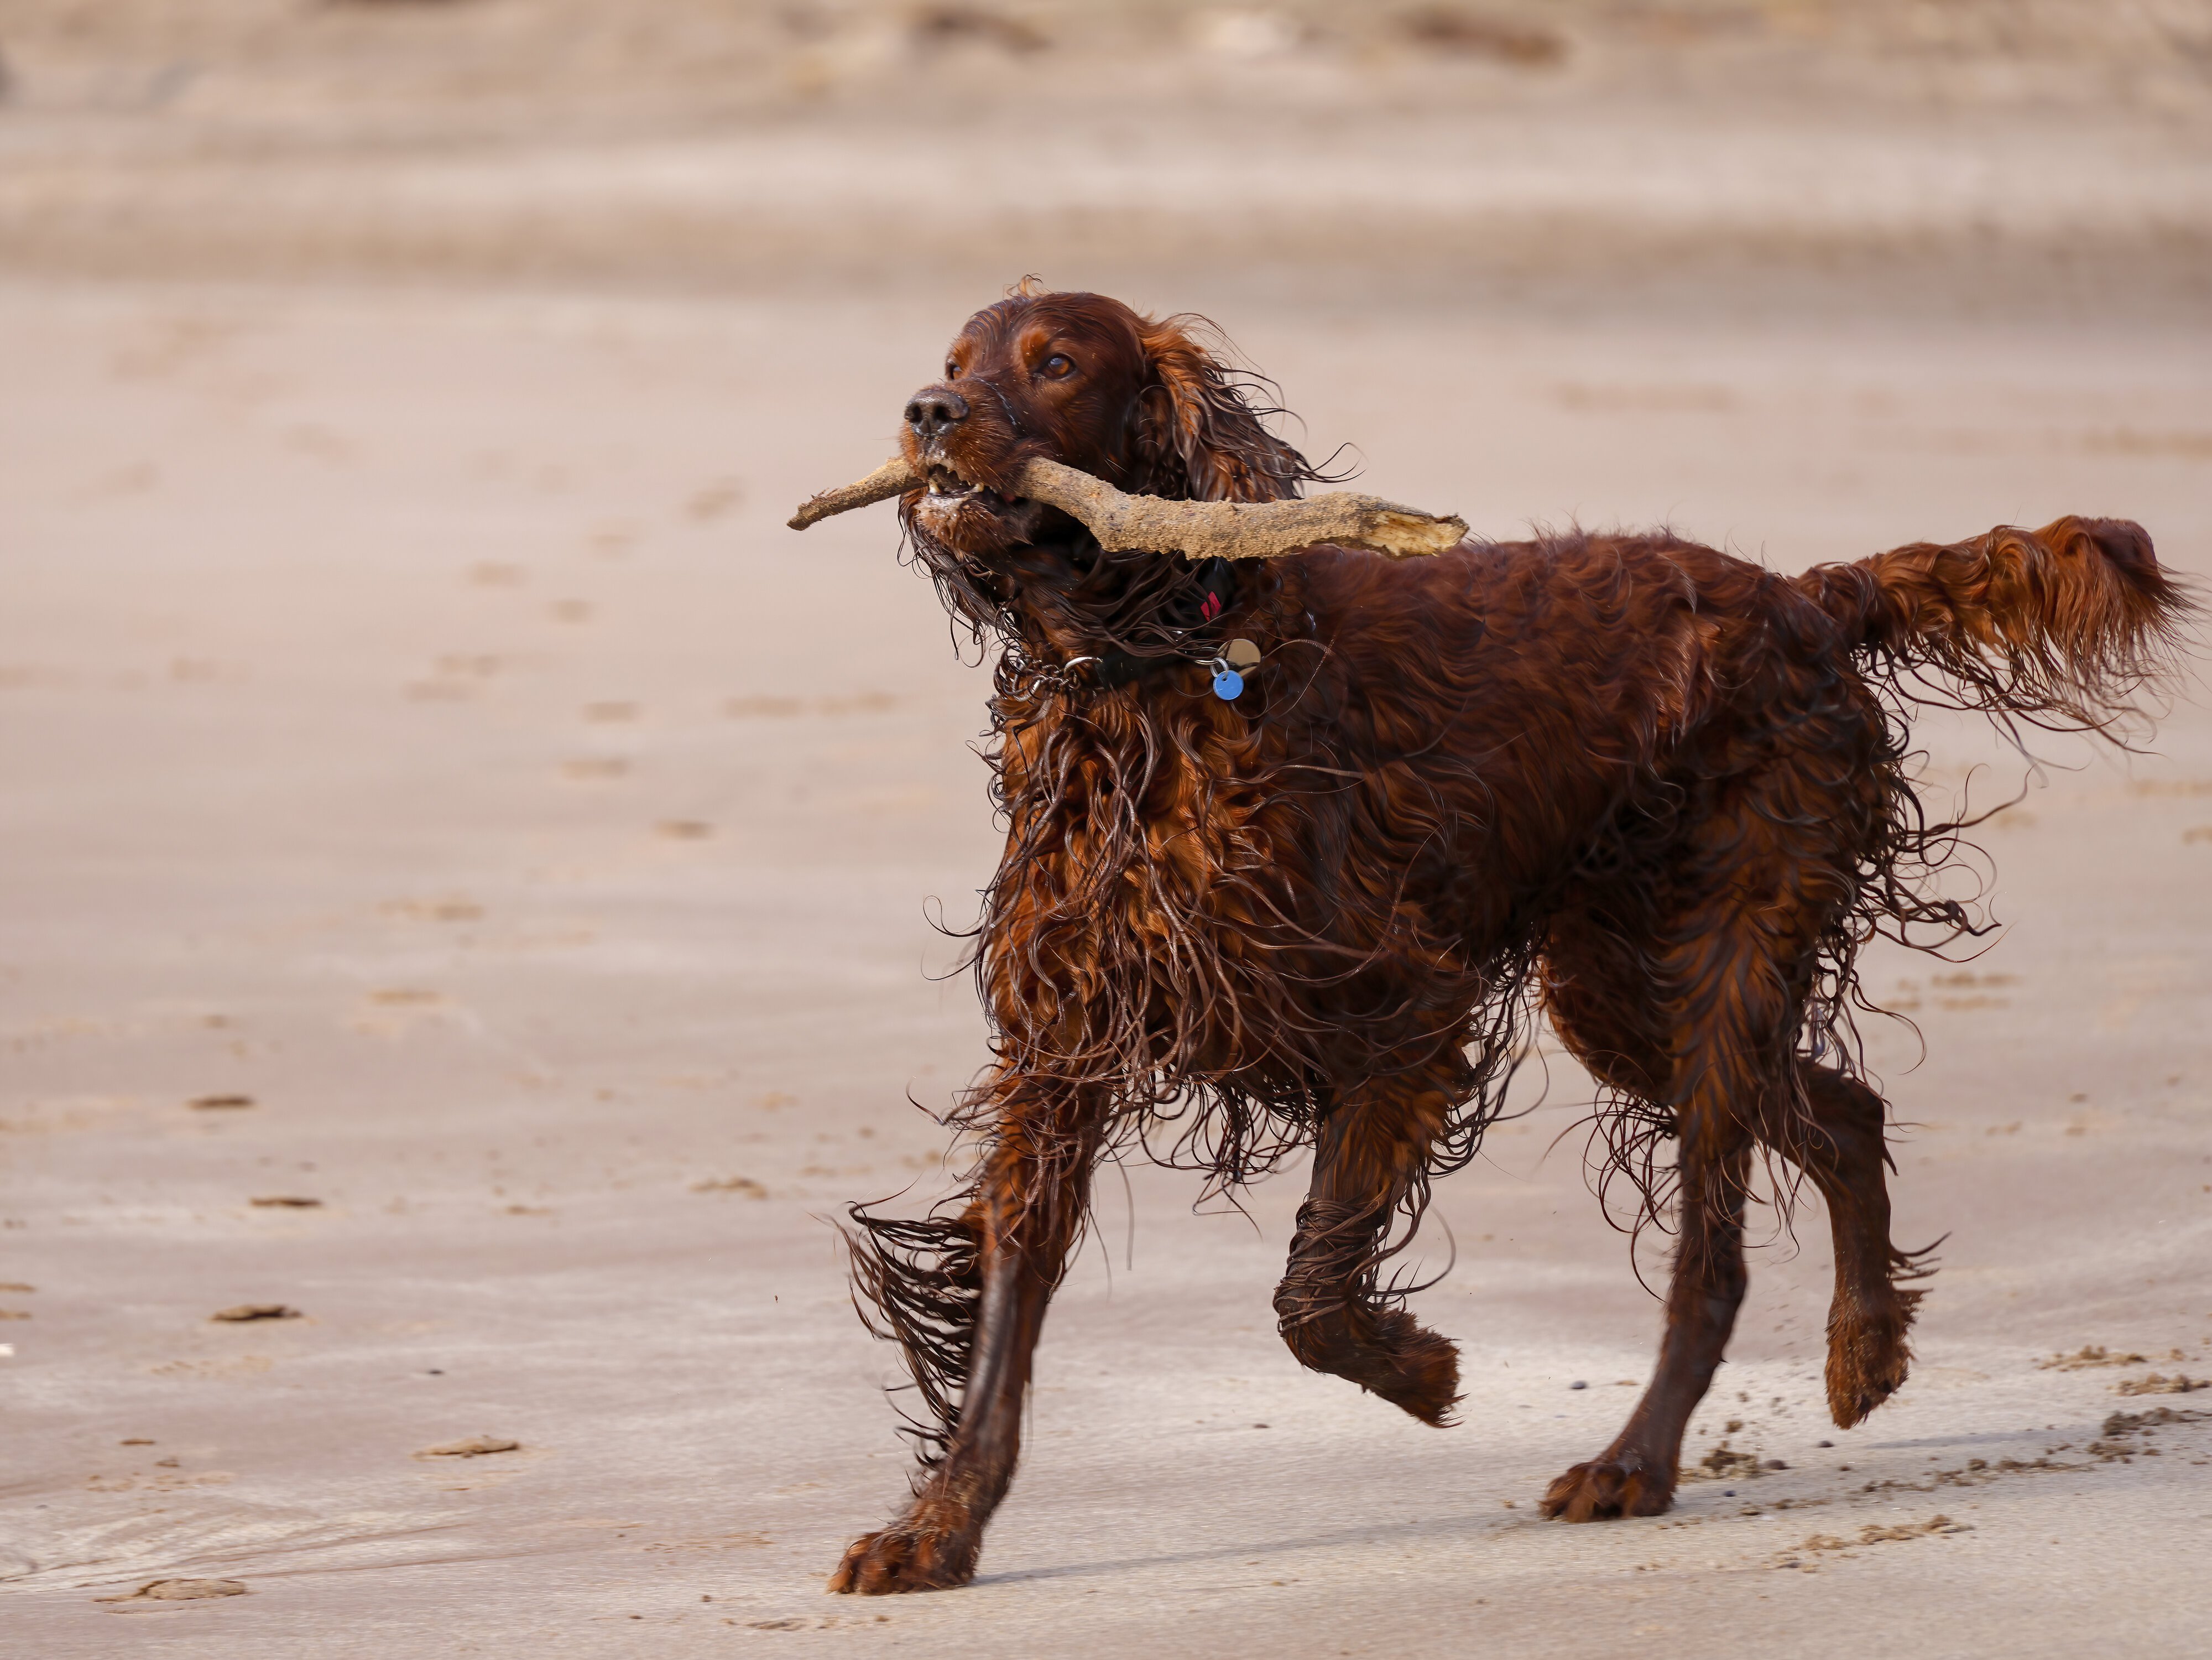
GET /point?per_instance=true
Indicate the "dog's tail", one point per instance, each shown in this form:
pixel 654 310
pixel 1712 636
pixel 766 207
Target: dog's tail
pixel 2063 627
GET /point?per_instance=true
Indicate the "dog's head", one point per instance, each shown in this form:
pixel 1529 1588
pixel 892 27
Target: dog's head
pixel 1149 406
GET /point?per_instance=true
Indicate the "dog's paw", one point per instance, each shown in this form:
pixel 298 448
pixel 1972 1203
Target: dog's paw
pixel 1606 1488
pixel 905 1558
pixel 1385 1352
pixel 1423 1374
pixel 1868 1360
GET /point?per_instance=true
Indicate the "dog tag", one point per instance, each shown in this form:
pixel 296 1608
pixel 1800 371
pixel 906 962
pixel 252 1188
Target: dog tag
pixel 1242 653
pixel 1228 685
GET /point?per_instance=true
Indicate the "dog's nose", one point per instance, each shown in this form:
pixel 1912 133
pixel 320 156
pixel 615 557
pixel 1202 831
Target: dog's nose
pixel 932 411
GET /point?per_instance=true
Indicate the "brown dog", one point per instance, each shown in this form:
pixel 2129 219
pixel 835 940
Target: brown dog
pixel 1657 790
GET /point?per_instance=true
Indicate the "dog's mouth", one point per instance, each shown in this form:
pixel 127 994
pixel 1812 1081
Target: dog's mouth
pixel 947 488
pixel 972 516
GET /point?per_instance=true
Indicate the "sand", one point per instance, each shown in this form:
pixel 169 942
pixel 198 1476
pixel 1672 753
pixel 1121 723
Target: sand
pixel 440 790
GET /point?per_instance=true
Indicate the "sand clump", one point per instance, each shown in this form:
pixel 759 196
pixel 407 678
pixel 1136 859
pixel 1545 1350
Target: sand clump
pixel 2160 1383
pixel 744 1186
pixel 475 1447
pixel 1873 1533
pixel 2088 1358
pixel 1727 1463
pixel 178 1590
pixel 2123 1436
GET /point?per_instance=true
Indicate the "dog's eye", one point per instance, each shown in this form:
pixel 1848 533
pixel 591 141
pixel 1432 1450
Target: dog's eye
pixel 951 368
pixel 1055 368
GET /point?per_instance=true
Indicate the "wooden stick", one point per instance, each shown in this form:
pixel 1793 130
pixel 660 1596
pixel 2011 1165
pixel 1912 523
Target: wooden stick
pixel 1238 530
pixel 893 479
pixel 1203 530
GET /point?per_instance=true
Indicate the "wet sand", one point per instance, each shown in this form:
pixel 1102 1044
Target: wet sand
pixel 441 790
pixel 422 727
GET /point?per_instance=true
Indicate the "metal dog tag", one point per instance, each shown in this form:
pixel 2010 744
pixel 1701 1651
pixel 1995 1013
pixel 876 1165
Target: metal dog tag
pixel 1242 653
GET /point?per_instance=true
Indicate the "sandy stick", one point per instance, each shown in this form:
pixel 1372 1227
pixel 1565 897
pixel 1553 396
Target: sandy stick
pixel 893 477
pixel 1151 524
pixel 1238 530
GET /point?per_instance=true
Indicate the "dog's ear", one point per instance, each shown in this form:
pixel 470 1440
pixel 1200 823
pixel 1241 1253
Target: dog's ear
pixel 1198 436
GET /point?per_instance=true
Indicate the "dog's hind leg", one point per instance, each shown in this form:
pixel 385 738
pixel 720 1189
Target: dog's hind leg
pixel 1687 1003
pixel 1841 1148
pixel 979 1327
pixel 1368 1155
pixel 1636 1476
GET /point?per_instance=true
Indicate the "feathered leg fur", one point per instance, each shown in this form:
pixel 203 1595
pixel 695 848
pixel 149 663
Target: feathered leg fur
pixel 1369 1163
pixel 967 1315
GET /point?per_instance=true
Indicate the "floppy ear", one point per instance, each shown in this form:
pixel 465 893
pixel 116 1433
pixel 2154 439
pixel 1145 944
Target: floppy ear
pixel 1199 435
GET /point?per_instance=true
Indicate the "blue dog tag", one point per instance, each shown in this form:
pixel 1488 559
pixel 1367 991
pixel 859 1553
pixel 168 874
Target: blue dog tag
pixel 1228 685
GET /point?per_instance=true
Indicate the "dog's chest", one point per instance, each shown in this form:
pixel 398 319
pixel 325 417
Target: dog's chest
pixel 1153 824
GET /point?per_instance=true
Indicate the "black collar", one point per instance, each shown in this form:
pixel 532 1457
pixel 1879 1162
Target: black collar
pixel 1193 619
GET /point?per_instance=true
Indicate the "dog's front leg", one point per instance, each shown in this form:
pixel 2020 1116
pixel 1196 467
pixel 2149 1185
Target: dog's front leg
pixel 1025 1215
pixel 1369 1157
